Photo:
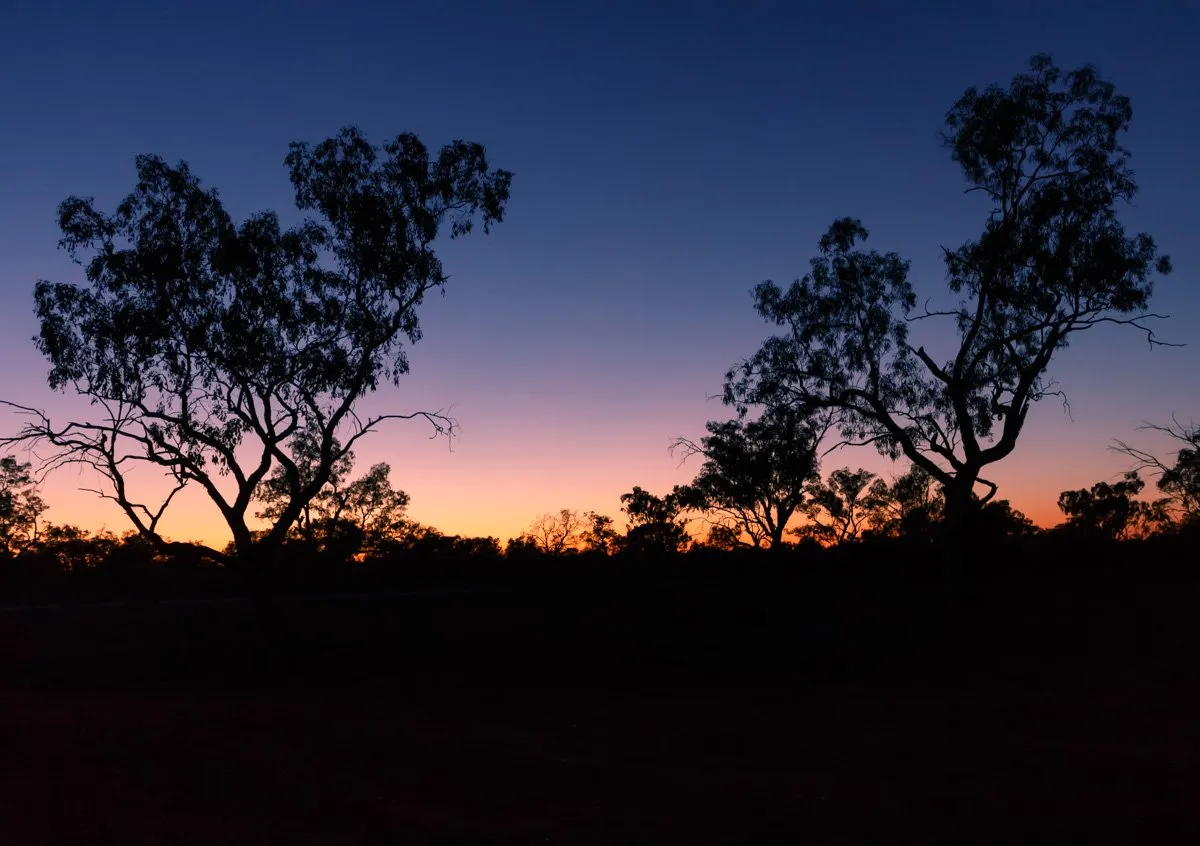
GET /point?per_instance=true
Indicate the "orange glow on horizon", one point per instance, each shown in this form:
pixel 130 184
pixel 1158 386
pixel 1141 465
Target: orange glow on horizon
pixel 506 471
pixel 469 513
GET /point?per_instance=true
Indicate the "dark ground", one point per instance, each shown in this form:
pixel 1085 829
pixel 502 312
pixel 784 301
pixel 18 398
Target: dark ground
pixel 676 714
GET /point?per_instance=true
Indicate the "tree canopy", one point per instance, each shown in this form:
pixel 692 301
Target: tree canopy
pixel 20 505
pixel 212 350
pixel 1179 480
pixel 656 525
pixel 1053 260
pixel 843 506
pixel 1109 510
pixel 564 531
pixel 362 513
pixel 755 473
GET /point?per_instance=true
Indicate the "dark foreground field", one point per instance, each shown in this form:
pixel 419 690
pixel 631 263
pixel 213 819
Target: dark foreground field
pixel 672 714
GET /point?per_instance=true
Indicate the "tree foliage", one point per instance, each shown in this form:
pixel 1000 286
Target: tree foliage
pixel 353 515
pixel 723 536
pixel 599 535
pixel 559 533
pixel 998 519
pixel 564 532
pixel 755 473
pixel 655 524
pixel 1053 260
pixel 1109 510
pixel 373 506
pixel 207 347
pixel 20 506
pixel 842 507
pixel 1178 480
pixel 912 505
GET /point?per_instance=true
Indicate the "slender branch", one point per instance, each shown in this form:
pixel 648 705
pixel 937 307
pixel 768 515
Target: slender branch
pixel 941 374
pixel 443 425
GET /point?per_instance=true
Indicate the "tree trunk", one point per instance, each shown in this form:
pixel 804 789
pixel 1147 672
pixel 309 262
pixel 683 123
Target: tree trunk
pixel 957 522
pixel 778 527
pixel 259 565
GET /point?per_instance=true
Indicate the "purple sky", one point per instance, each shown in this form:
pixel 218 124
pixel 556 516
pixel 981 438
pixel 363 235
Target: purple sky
pixel 668 156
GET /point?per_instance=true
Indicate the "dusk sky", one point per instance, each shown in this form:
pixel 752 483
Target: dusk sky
pixel 667 157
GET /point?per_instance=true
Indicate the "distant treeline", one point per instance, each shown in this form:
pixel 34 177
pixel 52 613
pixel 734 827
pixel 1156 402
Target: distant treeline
pixel 65 564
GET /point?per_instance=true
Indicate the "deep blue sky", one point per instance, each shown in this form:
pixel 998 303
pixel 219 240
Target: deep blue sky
pixel 668 156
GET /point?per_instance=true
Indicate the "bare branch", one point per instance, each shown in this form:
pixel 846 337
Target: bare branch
pixel 1151 338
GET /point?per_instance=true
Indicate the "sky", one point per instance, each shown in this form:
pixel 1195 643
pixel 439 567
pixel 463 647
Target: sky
pixel 668 156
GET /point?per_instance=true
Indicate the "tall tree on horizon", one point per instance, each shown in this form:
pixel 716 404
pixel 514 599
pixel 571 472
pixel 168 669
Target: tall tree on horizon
pixel 209 349
pixel 1053 260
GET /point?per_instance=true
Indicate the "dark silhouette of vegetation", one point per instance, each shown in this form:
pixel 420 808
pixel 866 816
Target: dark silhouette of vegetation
pixel 422 546
pixel 20 506
pixel 232 357
pixel 600 537
pixel 842 507
pixel 1112 511
pixel 912 505
pixel 1180 480
pixel 66 564
pixel 219 352
pixel 483 664
pixel 656 526
pixel 556 534
pixel 1053 260
pixel 756 473
pixel 854 504
pixel 998 519
pixel 723 536
pixel 566 532
pixel 356 515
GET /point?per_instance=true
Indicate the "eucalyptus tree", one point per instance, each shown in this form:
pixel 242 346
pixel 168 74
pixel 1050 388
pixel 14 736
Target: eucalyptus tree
pixel 209 348
pixel 1053 260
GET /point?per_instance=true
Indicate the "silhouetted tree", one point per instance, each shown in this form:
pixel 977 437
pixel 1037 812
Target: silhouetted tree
pixel 912 505
pixel 599 536
pixel 343 514
pixel 1180 481
pixel 20 506
pixel 522 546
pixel 1108 510
pixel 998 519
pixel 207 346
pixel 274 491
pixel 756 473
pixel 476 547
pixel 408 536
pixel 421 543
pixel 372 505
pixel 655 525
pixel 556 534
pixel 1052 260
pixel 841 507
pixel 71 549
pixel 723 536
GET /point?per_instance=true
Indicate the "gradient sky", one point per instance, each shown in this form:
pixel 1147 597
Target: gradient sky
pixel 668 156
